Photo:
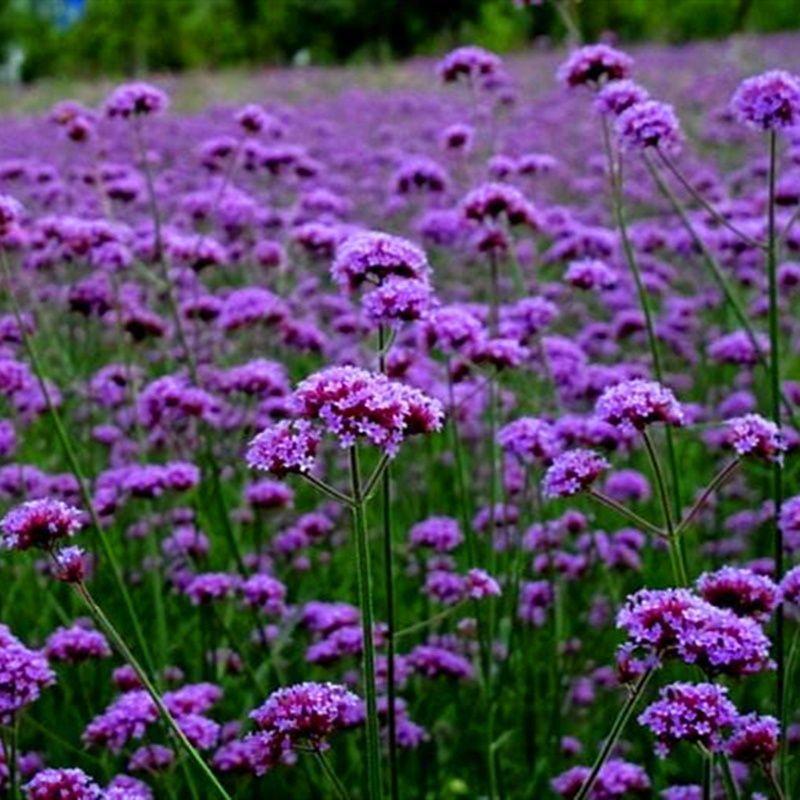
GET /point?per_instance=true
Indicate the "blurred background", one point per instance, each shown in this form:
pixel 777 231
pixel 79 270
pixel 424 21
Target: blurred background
pixel 91 38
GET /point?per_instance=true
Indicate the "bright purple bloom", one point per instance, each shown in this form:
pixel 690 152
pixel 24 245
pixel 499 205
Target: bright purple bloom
pixel 62 784
pixel 649 124
pixel 530 439
pixel 442 534
pixel 741 590
pixel 755 740
pixel 136 100
pixel 76 644
pixel 756 437
pixel 696 713
pixel 594 65
pixel 39 523
pixel 768 102
pixel 572 472
pixel 288 446
pixel 639 403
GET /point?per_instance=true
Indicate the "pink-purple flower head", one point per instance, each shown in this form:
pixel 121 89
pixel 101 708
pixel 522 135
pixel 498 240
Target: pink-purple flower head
pixel 441 534
pixel 594 65
pixel 572 472
pixel 695 713
pixel 591 273
pixel 23 675
pixel 468 62
pixel 62 784
pixel 353 403
pixel 530 439
pixel 398 300
pixel 752 436
pixel 755 740
pixel 288 446
pixel 137 99
pixel 618 96
pixel 790 587
pixel 649 124
pixel 768 102
pixel 639 403
pixel 743 591
pixel 373 257
pixel 39 523
pixel 616 779
pixel 491 201
pixel 10 213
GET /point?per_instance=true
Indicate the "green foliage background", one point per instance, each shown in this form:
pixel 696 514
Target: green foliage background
pixel 128 36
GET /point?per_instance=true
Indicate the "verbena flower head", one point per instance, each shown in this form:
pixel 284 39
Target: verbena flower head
pixel 126 718
pixel 308 713
pixel 442 534
pixel 353 403
pixel 594 65
pixel 755 740
pixel 790 587
pixel 616 779
pixel 489 201
pixel 618 96
pixel 591 273
pixel 288 446
pixel 741 590
pixel 752 436
pixel 10 213
pixel 76 644
pixel 62 784
pixel 468 62
pixel 71 564
pixel 789 522
pixel 398 300
pixel 695 713
pixel 530 440
pixel 649 124
pixel 677 623
pixel 124 787
pixel 39 523
pixel 136 100
pixel 373 257
pixel 639 403
pixel 23 675
pixel 768 102
pixel 572 472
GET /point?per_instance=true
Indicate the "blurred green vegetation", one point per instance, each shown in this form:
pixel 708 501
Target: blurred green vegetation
pixel 114 37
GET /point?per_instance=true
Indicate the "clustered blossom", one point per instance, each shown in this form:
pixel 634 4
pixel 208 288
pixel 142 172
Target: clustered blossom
pixel 698 713
pixel 768 102
pixel 591 273
pixel 617 778
pixel 530 439
pixel 136 100
pixel 469 63
pixel 755 739
pixel 23 675
pixel 752 436
pixel 303 714
pixel 594 65
pixel 572 472
pixel 639 403
pixel 63 784
pixel 618 96
pixel 442 534
pixel 678 623
pixel 741 590
pixel 373 256
pixel 649 124
pixel 39 523
pixel 76 644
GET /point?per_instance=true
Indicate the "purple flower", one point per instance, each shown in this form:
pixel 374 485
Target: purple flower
pixel 442 534
pixel 594 65
pixel 136 100
pixel 374 256
pixel 790 587
pixel 432 661
pixel 639 403
pixel 23 675
pixel 123 787
pixel 530 439
pixel 755 437
pixel 128 717
pixel 572 472
pixel 480 584
pixel 398 300
pixel 76 644
pixel 468 62
pixel 649 124
pixel 755 740
pixel 616 779
pixel 687 712
pixel 62 784
pixel 39 523
pixel 618 96
pixel 627 485
pixel 768 102
pixel 738 348
pixel 741 590
pixel 489 201
pixel 288 446
pixel 789 522
pixel 71 564
pixel 210 587
pixel 591 273
pixel 535 598
pixel 265 593
pixel 151 758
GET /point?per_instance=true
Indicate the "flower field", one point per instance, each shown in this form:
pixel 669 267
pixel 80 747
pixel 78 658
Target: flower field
pixel 428 432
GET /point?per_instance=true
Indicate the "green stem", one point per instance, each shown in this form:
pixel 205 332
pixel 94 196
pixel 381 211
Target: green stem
pixel 727 778
pixel 365 602
pixel 775 392
pixel 632 516
pixel 616 731
pixel 124 651
pixel 708 773
pixel 716 482
pixel 331 775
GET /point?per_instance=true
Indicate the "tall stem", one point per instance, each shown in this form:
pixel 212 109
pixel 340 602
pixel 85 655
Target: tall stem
pixel 330 773
pixel 661 487
pixel 119 643
pixel 775 391
pixel 365 602
pixel 388 565
pixel 616 731
pixel 708 774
